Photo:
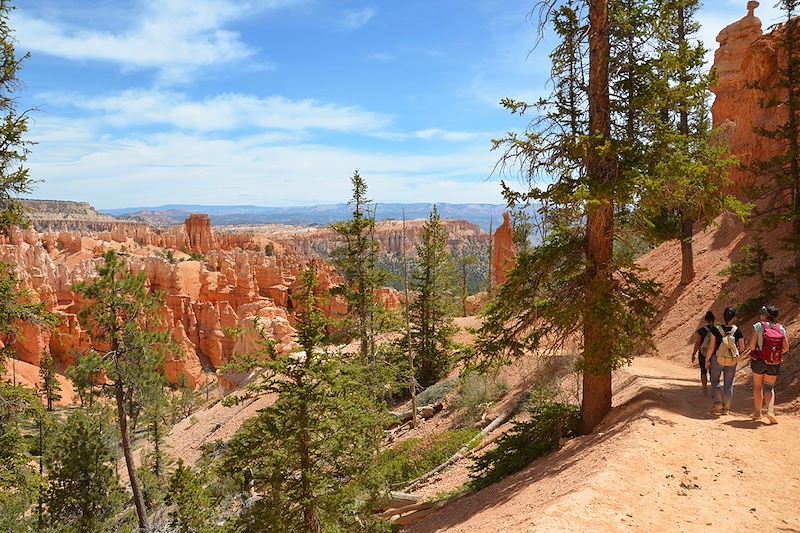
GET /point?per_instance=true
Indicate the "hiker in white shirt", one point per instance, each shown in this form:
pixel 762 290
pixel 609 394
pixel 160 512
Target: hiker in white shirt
pixel 727 342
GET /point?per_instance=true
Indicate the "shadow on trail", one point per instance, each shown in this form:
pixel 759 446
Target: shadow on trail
pixel 670 394
pixel 743 424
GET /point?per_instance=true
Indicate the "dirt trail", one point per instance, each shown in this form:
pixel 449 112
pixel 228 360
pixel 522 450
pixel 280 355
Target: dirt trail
pixel 660 462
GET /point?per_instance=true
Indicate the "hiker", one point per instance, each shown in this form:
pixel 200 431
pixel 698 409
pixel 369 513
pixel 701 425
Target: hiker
pixel 727 342
pixel 766 347
pixel 701 347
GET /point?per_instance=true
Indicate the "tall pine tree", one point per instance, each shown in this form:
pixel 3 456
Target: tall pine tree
pixel 357 262
pixel 123 315
pixel 572 286
pixel 306 453
pixel 433 280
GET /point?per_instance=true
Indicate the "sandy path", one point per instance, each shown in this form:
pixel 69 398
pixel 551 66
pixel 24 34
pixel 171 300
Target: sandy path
pixel 660 462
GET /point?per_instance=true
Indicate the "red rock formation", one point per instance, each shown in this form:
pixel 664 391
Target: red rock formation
pixel 201 238
pixel 504 252
pixel 204 304
pixel 745 57
pixel 388 233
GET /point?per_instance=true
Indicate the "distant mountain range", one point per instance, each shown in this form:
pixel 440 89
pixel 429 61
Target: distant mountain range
pixel 482 215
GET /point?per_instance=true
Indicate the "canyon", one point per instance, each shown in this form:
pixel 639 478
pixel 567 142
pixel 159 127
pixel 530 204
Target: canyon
pixel 220 288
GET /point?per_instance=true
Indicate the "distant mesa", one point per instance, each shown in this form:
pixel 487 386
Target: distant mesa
pixel 483 215
pixel 64 215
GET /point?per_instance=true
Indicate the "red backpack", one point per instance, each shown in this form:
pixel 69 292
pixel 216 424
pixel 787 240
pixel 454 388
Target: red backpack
pixel 772 344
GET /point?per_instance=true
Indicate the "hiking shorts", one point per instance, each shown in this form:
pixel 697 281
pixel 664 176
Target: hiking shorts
pixel 760 367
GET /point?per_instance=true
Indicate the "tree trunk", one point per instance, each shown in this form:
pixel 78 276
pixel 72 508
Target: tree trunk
pixel 138 500
pixel 311 520
pixel 596 402
pixel 687 254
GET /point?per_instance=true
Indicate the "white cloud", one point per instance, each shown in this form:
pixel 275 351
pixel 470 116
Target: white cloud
pixel 354 19
pixel 174 37
pixel 435 134
pixel 224 112
pixel 192 169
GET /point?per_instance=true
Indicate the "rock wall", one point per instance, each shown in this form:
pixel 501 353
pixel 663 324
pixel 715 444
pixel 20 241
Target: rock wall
pixel 747 57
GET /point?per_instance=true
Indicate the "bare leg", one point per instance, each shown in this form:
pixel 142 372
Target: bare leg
pixel 769 397
pixel 757 395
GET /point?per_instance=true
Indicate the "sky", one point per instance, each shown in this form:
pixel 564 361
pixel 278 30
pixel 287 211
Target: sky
pixel 278 102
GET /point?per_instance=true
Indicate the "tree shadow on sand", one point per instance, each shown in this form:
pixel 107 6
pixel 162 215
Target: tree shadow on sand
pixel 676 395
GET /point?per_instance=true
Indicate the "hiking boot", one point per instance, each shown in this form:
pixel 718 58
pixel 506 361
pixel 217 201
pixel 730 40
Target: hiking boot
pixel 718 408
pixel 771 418
pixel 756 417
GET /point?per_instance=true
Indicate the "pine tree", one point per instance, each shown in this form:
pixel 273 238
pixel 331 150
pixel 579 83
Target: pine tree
pixel 688 162
pixel 357 262
pixel 49 386
pixel 306 453
pixel 84 375
pixel 572 285
pixel 19 481
pixel 84 494
pixel 432 281
pixel 192 506
pixel 783 98
pixel 14 177
pixel 124 315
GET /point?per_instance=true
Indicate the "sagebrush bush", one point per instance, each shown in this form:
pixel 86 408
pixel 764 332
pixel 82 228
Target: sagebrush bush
pixel 475 393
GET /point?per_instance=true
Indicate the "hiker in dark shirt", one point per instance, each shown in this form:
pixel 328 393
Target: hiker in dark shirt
pixel 701 347
pixel 727 343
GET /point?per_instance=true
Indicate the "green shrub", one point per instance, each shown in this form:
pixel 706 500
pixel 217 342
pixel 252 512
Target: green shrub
pixel 414 457
pixel 436 392
pixel 526 441
pixel 475 393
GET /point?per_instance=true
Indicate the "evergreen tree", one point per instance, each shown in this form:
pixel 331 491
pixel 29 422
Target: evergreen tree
pixel 84 374
pixel 49 385
pixel 783 96
pixel 432 281
pixel 14 177
pixel 357 262
pixel 192 506
pixel 84 494
pixel 572 285
pixel 688 166
pixel 306 453
pixel 124 315
pixel 19 481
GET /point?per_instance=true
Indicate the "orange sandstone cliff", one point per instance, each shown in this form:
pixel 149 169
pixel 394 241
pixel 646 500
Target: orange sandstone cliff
pixel 747 58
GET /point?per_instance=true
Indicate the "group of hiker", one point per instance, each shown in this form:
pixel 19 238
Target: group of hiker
pixel 719 349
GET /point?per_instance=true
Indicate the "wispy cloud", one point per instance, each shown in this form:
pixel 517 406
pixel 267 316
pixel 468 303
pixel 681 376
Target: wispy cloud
pixel 224 112
pixel 354 19
pixel 435 134
pixel 174 37
pixel 191 168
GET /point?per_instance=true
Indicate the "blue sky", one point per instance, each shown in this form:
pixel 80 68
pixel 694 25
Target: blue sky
pixel 277 102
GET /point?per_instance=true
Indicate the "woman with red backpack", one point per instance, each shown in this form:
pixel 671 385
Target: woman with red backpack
pixel 766 349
